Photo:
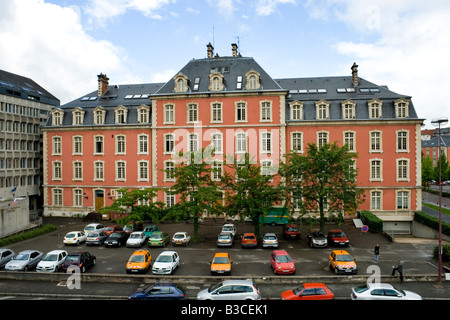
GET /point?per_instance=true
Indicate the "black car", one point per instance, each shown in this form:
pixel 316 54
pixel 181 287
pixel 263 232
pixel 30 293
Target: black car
pixel 116 239
pixel 80 259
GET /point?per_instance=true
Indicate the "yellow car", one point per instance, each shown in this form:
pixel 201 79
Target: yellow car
pixel 221 264
pixel 139 262
pixel 342 262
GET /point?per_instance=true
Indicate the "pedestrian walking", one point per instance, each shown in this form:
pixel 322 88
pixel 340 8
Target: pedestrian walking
pixel 377 252
pixel 399 269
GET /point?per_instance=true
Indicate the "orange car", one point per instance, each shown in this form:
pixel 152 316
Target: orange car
pixel 342 262
pixel 139 262
pixel 308 291
pixel 249 240
pixel 221 264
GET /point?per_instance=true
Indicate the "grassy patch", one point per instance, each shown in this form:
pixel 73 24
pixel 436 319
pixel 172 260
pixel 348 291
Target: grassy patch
pixel 46 228
pixel 434 207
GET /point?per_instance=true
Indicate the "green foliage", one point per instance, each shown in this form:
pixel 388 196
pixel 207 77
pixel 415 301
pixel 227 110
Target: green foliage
pixel 427 170
pixel 374 223
pixel 323 178
pixel 431 222
pixel 46 228
pixel 445 252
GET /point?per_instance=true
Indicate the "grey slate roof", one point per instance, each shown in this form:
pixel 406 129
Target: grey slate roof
pixel 18 86
pixel 230 67
pixel 434 142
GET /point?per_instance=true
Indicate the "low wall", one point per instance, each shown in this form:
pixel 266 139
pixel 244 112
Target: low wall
pixel 422 231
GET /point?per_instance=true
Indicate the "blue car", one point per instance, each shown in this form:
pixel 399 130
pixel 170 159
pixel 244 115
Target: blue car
pixel 160 291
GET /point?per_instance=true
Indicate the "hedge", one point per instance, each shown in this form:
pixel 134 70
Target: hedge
pixel 46 228
pixel 431 222
pixel 374 223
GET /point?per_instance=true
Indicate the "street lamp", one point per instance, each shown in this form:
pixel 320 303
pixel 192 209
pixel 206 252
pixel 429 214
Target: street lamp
pixel 438 122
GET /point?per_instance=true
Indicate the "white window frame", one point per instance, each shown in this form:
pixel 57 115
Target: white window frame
pixel 77 197
pixel 296 110
pixel 120 144
pixel 295 141
pixel 169 143
pixel 402 169
pixel 119 168
pixel 350 141
pixel 373 143
pixel 403 145
pixel 169 113
pixel 376 200
pixel 99 170
pixel 241 114
pixel 216 112
pixel 143 147
pixel 143 175
pixel 378 170
pixel 265 108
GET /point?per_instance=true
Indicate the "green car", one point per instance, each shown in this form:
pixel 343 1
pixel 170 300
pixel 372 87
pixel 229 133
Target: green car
pixel 158 239
pixel 148 230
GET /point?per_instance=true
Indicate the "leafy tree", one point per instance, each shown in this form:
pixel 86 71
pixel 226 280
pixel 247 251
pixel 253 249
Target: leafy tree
pixel 127 205
pixel 427 170
pixel 198 192
pixel 444 168
pixel 322 178
pixel 249 192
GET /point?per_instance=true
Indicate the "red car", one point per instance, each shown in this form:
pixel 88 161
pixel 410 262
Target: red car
pixel 291 231
pixel 337 238
pixel 112 229
pixel 308 291
pixel 249 240
pixel 282 262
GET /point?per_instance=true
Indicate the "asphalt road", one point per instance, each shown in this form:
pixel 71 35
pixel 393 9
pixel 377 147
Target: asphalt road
pixel 195 258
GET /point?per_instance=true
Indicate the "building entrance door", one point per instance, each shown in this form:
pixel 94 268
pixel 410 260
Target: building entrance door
pixel 99 200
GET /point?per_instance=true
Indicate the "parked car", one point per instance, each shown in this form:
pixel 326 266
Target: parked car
pixel 74 237
pixel 308 291
pixel 291 231
pixel 340 261
pixel 229 228
pixel 24 260
pixel 5 256
pixel 139 262
pixel 111 229
pixel 166 263
pixel 281 262
pixel 136 239
pixel 116 239
pixel 337 238
pixel 231 290
pixel 382 291
pixel 148 230
pixel 181 238
pixel 52 261
pixel 158 239
pixel 160 291
pixel 270 239
pixel 225 240
pixel 221 263
pixel 130 228
pixel 317 239
pixel 96 238
pixel 79 259
pixel 94 227
pixel 249 240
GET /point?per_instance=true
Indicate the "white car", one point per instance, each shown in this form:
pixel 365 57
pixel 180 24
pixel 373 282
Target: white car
pixel 136 239
pixel 382 291
pixel 52 261
pixel 74 237
pixel 181 238
pixel 166 263
pixel 231 290
pixel 270 239
pixel 229 228
pixel 94 227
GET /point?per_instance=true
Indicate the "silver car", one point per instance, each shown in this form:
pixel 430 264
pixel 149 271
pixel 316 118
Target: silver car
pixel 136 239
pixel 231 290
pixel 24 260
pixel 225 240
pixel 270 239
pixel 382 291
pixel 5 256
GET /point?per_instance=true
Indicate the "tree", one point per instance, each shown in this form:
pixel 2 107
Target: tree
pixel 444 168
pixel 127 205
pixel 322 178
pixel 249 192
pixel 427 170
pixel 198 192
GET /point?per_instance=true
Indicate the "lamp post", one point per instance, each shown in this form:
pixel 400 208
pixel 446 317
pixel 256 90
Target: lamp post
pixel 439 122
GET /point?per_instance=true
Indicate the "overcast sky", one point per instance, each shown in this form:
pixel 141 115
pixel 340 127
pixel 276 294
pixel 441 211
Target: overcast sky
pixel 64 44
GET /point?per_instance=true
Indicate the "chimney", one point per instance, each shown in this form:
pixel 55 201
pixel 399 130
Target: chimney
pixel 103 82
pixel 234 49
pixel 355 74
pixel 210 50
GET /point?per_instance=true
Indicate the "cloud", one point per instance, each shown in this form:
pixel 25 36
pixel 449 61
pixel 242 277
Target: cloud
pixel 101 11
pixel 225 7
pixel 47 43
pixel 402 44
pixel 267 7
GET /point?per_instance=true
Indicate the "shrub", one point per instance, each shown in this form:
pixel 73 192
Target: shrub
pixel 374 223
pixel 46 228
pixel 431 222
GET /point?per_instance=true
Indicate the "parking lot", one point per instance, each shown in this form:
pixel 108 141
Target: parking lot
pixel 195 258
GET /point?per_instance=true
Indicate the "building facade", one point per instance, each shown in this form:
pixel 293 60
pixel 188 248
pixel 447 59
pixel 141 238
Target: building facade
pixel 24 109
pixel 130 135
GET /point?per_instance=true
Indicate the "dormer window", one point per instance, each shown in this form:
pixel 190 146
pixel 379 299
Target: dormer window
pixel 252 80
pixel 181 83
pixel 121 115
pixel 99 115
pixel 375 109
pixel 77 116
pixel 216 82
pixel 143 114
pixel 57 117
pixel 348 109
pixel 401 108
pixel 322 110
